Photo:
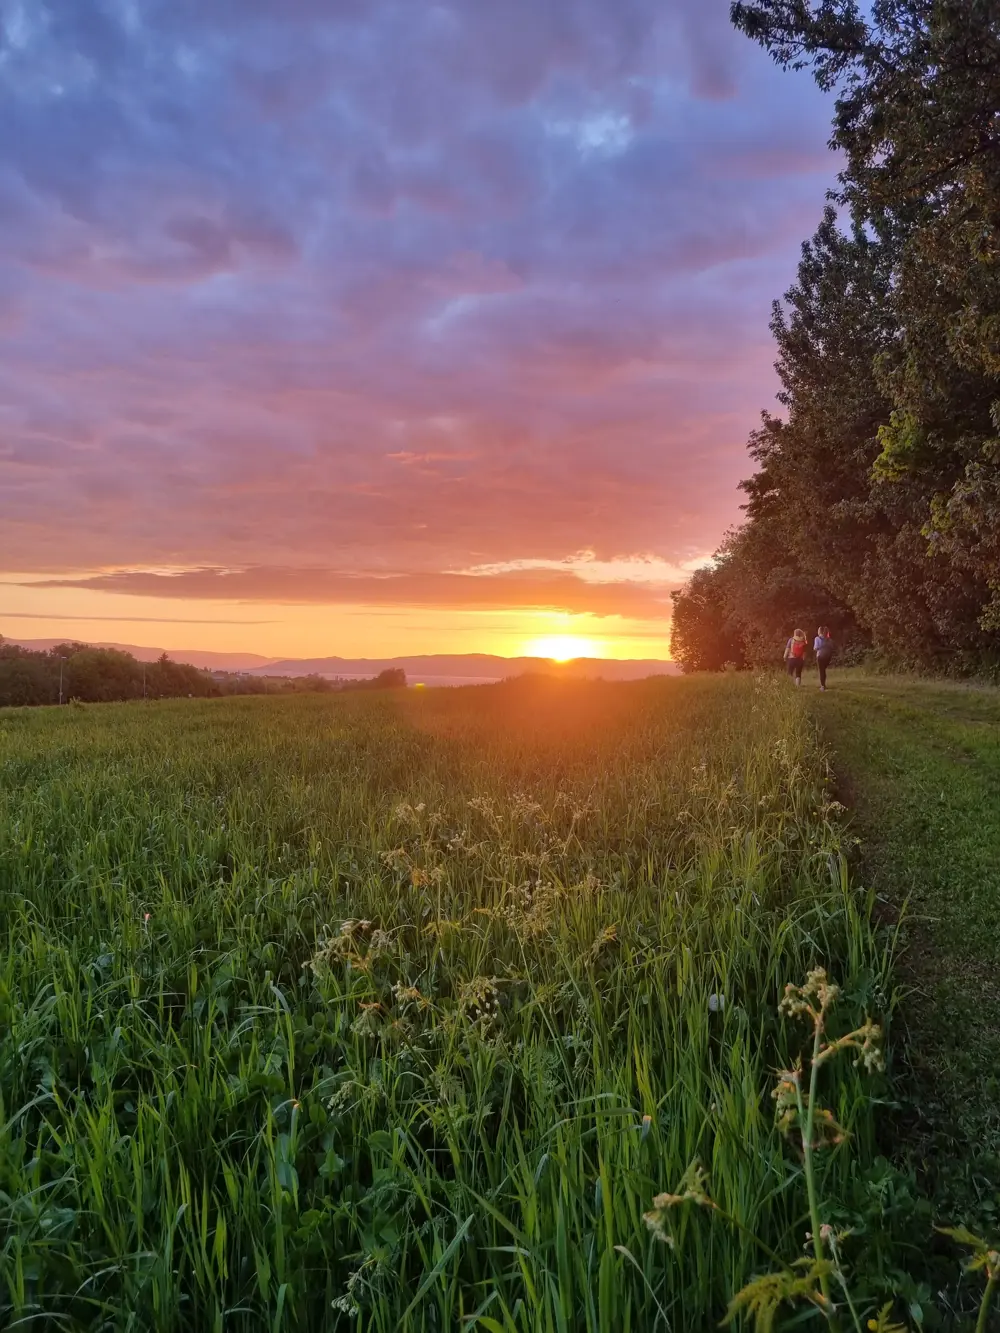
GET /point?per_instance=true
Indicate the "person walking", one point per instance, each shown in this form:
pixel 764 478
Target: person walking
pixel 795 655
pixel 823 648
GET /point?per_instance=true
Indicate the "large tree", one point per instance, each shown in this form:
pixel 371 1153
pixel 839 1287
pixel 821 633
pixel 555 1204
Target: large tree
pixel 701 636
pixel 917 87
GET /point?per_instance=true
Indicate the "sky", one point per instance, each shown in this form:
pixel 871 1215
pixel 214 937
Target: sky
pixel 384 326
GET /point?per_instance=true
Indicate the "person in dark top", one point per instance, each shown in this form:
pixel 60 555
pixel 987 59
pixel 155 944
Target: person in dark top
pixel 823 648
pixel 795 655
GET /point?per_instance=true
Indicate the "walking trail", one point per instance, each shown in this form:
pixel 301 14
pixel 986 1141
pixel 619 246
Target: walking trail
pixel 918 763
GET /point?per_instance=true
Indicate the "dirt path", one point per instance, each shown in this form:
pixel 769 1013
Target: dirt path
pixel 919 765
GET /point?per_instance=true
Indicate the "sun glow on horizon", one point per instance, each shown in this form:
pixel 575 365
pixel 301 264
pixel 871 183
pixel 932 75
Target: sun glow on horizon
pixel 33 610
pixel 563 647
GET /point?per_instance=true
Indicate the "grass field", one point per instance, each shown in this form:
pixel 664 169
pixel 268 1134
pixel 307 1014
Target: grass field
pixel 920 767
pixel 396 1012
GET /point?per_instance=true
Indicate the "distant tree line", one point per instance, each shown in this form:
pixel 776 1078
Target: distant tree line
pixel 238 682
pixel 393 678
pixel 875 507
pixel 106 675
pixel 93 675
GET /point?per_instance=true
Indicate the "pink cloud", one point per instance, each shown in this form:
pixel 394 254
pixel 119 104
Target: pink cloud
pixel 363 287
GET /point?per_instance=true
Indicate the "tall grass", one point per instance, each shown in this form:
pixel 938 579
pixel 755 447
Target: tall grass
pixel 394 1013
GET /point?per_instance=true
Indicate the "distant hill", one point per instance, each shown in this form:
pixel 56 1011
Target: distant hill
pixel 193 656
pixel 434 669
pixel 468 667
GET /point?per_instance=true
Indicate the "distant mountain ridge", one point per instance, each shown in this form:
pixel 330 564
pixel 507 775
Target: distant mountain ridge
pixel 441 666
pixel 470 666
pixel 199 657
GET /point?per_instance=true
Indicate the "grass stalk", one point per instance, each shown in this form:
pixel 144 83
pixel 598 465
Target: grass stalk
pixel 297 991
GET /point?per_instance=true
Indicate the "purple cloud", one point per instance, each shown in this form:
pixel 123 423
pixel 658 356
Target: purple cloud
pixel 372 287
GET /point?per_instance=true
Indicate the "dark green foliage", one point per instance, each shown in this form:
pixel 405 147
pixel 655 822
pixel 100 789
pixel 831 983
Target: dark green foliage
pixel 701 635
pixel 76 671
pixel 770 594
pixel 740 611
pixel 392 678
pixel 93 675
pixel 882 479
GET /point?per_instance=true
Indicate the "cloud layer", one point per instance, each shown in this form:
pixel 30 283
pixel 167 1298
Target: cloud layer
pixel 555 590
pixel 330 290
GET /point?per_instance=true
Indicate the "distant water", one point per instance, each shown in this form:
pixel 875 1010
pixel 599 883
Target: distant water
pixel 433 681
pixel 436 682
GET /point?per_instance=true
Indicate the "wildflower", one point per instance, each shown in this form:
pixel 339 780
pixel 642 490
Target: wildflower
pixel 408 995
pixel 786 1099
pixel 409 814
pixel 796 999
pixel 693 1188
pixel 983 1258
pixel 866 1040
pixel 716 1002
pixel 351 928
pixel 608 936
pixel 480 1000
pixel 367 1022
pixel 655 1222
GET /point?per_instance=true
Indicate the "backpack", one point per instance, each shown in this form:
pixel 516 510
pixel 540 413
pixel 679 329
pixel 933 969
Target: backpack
pixel 796 649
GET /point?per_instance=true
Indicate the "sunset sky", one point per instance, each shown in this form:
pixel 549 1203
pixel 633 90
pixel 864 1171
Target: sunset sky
pixel 383 326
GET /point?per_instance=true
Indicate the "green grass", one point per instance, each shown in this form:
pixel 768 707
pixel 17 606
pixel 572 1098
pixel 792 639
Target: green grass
pixel 920 766
pixel 394 1012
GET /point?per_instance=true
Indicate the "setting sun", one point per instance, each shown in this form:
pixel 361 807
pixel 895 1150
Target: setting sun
pixel 562 647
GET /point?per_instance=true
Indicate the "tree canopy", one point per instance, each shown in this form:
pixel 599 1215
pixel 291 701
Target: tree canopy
pixel 77 671
pixel 878 482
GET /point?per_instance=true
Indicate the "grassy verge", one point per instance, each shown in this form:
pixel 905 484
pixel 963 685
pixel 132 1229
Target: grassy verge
pixel 395 1013
pixel 920 767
